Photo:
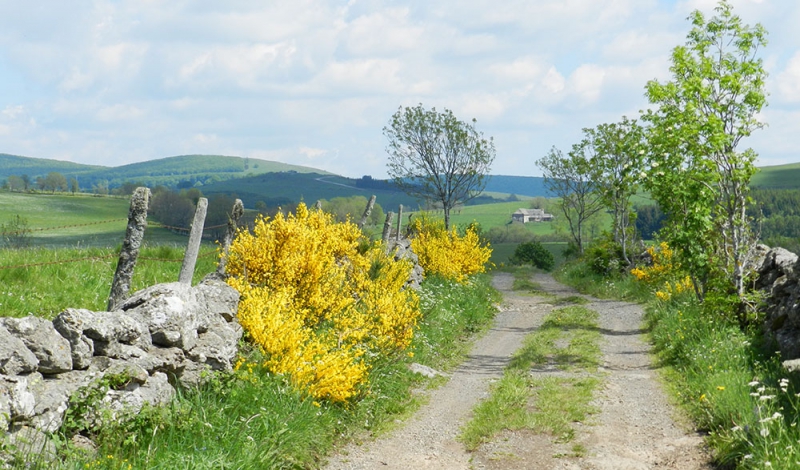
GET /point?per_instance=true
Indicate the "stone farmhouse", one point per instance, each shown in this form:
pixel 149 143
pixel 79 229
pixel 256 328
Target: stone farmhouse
pixel 531 215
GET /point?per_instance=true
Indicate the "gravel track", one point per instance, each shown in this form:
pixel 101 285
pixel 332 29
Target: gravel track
pixel 634 429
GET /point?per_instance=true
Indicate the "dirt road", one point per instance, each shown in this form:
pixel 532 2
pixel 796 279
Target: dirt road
pixel 634 429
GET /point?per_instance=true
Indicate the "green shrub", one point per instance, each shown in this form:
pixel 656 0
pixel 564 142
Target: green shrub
pixel 533 253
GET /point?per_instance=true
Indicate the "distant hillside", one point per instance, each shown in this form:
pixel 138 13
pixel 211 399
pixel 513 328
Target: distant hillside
pixel 289 188
pixel 777 177
pixel 33 167
pixel 519 185
pixel 179 171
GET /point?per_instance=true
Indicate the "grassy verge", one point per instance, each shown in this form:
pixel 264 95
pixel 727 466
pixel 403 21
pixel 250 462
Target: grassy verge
pixel 568 339
pixel 730 384
pixel 621 287
pixel 44 282
pixel 254 419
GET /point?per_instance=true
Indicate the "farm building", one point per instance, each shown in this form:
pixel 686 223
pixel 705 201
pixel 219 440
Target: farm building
pixel 531 215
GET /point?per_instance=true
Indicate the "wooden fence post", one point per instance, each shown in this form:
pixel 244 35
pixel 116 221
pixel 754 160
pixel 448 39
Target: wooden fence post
pixel 137 222
pixel 399 222
pixel 195 237
pixel 387 227
pixel 367 212
pixel 233 225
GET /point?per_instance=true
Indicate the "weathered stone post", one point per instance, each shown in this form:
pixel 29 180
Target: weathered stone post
pixel 318 205
pixel 399 222
pixel 233 225
pixel 367 212
pixel 195 237
pixel 387 227
pixel 137 222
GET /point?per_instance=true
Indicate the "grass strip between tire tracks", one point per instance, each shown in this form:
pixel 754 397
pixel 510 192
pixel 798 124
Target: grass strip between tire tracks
pixel 567 341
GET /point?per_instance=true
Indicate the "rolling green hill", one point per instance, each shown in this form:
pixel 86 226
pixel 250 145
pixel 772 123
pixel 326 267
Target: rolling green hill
pixel 289 188
pixel 184 170
pixel 33 167
pixel 777 177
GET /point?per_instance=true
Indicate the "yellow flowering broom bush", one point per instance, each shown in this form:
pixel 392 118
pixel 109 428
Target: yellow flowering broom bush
pixel 664 273
pixel 316 297
pixel 446 253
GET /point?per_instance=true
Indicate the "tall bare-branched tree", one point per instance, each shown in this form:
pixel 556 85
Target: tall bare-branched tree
pixel 570 179
pixel 435 156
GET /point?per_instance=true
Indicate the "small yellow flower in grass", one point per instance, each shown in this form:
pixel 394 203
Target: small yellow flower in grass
pixel 703 397
pixel 720 387
pixel 316 403
pixel 410 354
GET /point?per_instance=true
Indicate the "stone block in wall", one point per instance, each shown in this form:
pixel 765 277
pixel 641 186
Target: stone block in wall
pixel 218 299
pixel 15 357
pixel 169 311
pixel 40 337
pixel 21 402
pixel 169 360
pixel 52 394
pixel 71 323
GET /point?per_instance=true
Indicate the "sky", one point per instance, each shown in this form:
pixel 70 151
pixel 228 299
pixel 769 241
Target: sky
pixel 314 82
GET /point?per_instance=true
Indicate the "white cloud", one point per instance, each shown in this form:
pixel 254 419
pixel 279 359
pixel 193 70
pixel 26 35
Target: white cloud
pixel 788 80
pixel 586 82
pixel 118 81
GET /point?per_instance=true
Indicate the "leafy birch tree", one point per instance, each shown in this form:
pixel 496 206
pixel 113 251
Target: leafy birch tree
pixel 570 179
pixel 616 160
pixel 437 157
pixel 698 174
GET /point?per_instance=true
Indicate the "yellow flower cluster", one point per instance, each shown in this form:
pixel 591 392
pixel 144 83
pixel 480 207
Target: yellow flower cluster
pixel 316 297
pixel 664 273
pixel 446 253
pixel 676 287
pixel 664 265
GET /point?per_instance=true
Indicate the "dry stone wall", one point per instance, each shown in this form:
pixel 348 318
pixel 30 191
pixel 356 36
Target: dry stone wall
pixel 779 278
pixel 161 336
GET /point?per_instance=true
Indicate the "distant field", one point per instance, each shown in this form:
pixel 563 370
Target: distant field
pixel 68 221
pixel 494 215
pixel 778 177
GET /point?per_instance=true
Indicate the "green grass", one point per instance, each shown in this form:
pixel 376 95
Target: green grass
pixel 582 278
pixel 75 221
pixel 544 404
pixel 50 280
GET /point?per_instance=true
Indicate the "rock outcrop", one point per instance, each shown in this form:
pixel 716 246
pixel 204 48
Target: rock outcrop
pixel 165 335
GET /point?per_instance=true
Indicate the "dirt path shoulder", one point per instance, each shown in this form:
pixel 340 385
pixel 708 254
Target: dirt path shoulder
pixel 634 429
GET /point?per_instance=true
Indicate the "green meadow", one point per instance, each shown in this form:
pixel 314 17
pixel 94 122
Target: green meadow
pixel 69 221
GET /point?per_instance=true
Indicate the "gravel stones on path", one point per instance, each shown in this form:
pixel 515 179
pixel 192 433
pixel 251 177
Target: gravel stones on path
pixel 634 429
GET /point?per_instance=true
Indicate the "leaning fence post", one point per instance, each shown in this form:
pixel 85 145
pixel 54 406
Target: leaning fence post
pixel 137 222
pixel 233 224
pixel 387 226
pixel 399 221
pixel 367 212
pixel 195 237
